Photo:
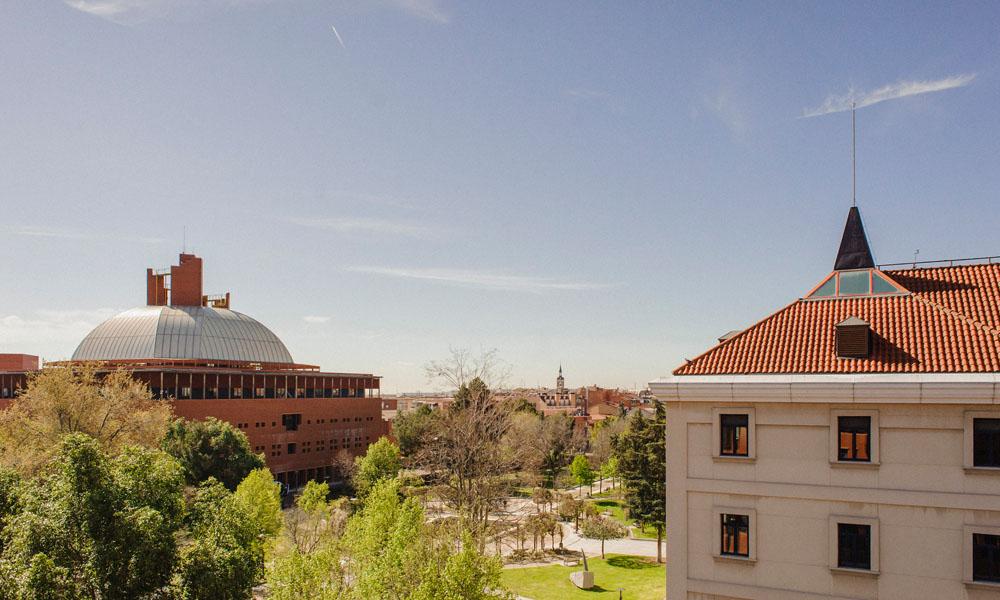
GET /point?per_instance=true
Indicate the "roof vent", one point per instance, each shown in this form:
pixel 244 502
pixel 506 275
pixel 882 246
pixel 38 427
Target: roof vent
pixel 725 337
pixel 854 337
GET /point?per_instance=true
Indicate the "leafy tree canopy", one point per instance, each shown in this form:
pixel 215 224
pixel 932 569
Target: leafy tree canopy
pixel 211 448
pixel 381 462
pixel 410 427
pixel 96 526
pixel 114 409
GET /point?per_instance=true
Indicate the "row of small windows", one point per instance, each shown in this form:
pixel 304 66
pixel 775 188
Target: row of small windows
pixel 211 393
pixel 293 447
pixel 855 437
pixel 291 422
pixel 855 546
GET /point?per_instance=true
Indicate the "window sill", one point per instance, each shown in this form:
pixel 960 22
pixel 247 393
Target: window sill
pixel 735 459
pixel 860 572
pixel 854 464
pixel 982 585
pixel 983 470
pixel 736 559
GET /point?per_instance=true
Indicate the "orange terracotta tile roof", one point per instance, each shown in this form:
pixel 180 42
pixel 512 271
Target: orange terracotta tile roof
pixel 948 323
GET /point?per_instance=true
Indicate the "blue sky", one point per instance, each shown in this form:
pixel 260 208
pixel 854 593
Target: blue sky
pixel 606 185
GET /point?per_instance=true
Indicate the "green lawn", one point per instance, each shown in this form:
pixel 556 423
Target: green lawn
pixel 614 507
pixel 618 512
pixel 641 578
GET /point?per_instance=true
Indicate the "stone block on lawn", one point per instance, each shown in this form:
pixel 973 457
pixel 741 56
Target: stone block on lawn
pixel 582 579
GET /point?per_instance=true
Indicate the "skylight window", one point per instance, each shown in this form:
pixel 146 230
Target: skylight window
pixel 854 283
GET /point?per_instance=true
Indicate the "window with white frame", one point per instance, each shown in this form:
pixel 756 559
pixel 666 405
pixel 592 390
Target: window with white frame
pixel 982 440
pixel 854 544
pixel 734 433
pixel 982 555
pixel 734 533
pixel 854 437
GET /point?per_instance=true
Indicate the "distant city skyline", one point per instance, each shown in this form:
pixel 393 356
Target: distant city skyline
pixel 379 181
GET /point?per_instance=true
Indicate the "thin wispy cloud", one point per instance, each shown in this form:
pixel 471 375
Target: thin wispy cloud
pixel 339 39
pixel 892 91
pixel 728 108
pixel 483 279
pixel 133 12
pixel 365 225
pixel 315 319
pixel 429 10
pixel 70 234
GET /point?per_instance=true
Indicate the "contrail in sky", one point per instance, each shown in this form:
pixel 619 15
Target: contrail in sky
pixel 892 91
pixel 339 39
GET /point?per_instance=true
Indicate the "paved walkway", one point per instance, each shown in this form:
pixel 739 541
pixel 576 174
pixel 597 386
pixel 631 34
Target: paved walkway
pixel 632 546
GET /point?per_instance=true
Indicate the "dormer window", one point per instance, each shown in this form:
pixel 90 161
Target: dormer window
pixel 853 338
pixel 863 282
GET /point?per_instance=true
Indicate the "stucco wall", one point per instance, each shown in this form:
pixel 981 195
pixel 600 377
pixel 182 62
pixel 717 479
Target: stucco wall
pixel 921 495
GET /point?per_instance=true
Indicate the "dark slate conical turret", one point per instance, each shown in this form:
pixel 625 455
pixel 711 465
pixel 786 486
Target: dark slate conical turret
pixel 854 250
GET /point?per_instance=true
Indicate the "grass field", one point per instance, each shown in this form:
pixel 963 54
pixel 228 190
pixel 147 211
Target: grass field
pixel 641 578
pixel 618 512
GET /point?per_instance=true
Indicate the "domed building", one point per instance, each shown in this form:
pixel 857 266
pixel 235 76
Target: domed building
pixel 193 350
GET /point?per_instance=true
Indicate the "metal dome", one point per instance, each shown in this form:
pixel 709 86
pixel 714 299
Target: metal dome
pixel 182 333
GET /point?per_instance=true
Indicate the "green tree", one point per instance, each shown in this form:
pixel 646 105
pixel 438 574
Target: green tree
pixel 582 472
pixel 380 462
pixel 259 499
pixel 410 428
pixel 298 575
pixel 211 448
pixel 641 455
pixel 306 564
pixel 96 527
pixel 554 443
pixel 465 575
pixel 603 528
pixel 609 470
pixel 225 557
pixel 393 553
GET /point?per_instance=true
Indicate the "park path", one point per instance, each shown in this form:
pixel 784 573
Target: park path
pixel 632 546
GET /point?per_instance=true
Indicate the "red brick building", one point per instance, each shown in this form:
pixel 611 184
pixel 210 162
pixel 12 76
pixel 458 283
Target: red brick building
pixel 209 360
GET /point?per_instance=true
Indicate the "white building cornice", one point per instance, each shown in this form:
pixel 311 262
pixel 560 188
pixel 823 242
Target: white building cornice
pixel 909 388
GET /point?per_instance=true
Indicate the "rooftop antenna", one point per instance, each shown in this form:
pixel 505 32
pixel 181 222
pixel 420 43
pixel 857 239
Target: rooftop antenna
pixel 854 156
pixel 915 254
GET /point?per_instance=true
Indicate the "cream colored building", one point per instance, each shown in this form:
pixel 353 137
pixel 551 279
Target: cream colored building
pixel 847 446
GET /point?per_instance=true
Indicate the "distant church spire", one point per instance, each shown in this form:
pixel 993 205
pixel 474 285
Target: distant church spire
pixel 560 382
pixel 854 253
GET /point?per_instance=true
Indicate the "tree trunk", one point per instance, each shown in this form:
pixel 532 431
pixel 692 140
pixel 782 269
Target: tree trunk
pixel 659 545
pixel 602 547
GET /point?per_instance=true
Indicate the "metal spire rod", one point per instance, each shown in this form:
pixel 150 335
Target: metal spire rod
pixel 854 157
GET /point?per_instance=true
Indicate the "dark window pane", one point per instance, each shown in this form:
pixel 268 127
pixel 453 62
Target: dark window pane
pixel 986 442
pixel 854 546
pixel 855 438
pixel 291 422
pixel 734 430
pixel 735 535
pixel 985 557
